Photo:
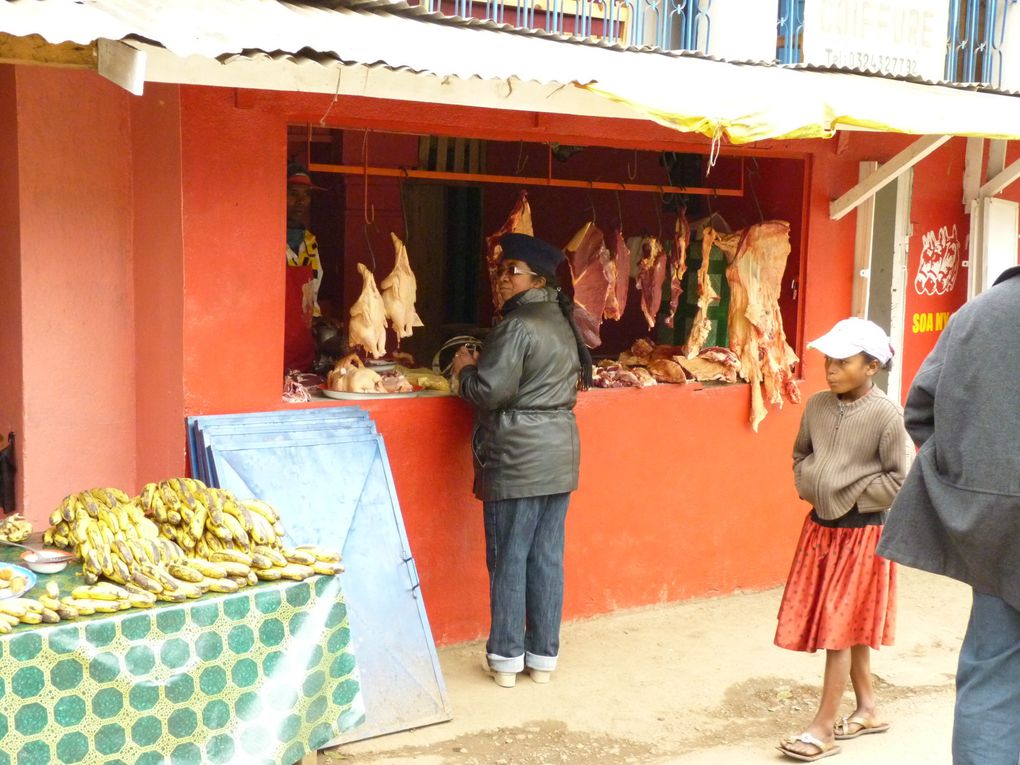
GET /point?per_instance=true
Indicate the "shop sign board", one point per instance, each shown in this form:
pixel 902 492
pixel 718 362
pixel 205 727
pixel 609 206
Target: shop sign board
pixel 891 37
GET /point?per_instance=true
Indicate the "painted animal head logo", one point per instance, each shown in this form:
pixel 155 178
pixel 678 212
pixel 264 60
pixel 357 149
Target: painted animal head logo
pixel 940 262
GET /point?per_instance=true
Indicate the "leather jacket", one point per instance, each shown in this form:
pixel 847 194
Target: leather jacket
pixel 524 388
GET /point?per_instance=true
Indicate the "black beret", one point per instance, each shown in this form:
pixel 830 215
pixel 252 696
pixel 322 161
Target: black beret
pixel 543 257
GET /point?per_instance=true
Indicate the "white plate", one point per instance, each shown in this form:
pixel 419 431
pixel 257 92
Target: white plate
pixel 381 366
pixel 20 571
pixel 344 395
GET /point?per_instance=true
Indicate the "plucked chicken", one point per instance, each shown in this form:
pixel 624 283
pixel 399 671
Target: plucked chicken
pixel 368 317
pixel 399 293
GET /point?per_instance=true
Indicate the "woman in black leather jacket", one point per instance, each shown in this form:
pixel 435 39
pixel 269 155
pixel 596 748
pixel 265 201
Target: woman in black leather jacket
pixel 526 453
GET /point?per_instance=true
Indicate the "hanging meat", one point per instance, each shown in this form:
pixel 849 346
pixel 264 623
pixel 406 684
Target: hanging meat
pixel 678 265
pixel 756 334
pixel 367 327
pixel 619 254
pixel 593 274
pixel 399 293
pixel 519 222
pixel 701 327
pixel 651 275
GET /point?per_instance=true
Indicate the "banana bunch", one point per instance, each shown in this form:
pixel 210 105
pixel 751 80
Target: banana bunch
pixel 110 534
pixel 231 539
pixel 48 608
pixel 15 529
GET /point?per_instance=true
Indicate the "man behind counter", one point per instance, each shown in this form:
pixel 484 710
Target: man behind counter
pixel 304 273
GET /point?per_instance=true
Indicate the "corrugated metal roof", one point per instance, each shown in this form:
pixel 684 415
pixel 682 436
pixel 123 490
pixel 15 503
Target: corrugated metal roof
pixel 274 43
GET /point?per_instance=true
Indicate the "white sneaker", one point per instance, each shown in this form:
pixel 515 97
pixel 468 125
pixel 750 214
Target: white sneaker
pixel 502 679
pixel 540 676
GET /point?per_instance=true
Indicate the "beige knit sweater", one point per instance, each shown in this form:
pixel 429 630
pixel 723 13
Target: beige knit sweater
pixel 848 453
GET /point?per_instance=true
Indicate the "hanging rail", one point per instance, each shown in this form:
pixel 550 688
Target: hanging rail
pixel 516 180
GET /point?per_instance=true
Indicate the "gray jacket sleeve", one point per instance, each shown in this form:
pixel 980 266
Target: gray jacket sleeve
pixel 919 411
pixel 494 382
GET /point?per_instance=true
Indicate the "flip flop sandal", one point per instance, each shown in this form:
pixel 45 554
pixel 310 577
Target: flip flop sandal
pixel 824 750
pixel 843 733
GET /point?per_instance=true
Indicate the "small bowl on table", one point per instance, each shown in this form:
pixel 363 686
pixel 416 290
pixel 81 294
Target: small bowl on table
pixel 46 561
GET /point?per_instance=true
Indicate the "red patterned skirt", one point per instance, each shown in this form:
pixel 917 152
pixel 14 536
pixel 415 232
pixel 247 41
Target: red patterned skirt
pixel 839 593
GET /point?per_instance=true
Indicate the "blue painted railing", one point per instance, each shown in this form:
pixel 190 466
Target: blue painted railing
pixel 973 44
pixel 664 24
pixel 976 32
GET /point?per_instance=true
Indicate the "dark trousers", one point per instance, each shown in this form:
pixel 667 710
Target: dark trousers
pixel 524 555
pixel 986 730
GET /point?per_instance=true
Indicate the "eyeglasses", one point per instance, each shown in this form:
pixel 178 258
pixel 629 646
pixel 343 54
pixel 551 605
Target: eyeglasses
pixel 513 271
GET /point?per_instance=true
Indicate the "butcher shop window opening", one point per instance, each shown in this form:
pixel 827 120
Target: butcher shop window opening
pixel 678 277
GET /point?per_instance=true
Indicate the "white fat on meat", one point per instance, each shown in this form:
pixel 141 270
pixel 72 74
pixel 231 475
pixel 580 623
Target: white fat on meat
pixel 399 293
pixel 367 328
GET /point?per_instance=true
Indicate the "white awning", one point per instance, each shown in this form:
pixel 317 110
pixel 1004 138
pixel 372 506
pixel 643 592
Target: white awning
pixel 387 50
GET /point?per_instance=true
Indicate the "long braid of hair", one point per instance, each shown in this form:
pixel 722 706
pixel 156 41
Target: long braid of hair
pixel 583 354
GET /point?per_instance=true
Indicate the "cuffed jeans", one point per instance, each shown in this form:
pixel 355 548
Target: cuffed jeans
pixel 524 555
pixel 986 730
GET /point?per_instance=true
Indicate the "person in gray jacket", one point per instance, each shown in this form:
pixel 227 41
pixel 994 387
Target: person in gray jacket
pixel 526 448
pixel 958 513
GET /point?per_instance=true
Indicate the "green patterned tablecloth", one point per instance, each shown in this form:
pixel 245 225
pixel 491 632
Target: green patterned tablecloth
pixel 265 675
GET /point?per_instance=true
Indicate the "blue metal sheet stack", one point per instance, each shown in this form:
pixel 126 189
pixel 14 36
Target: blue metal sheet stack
pixel 327 473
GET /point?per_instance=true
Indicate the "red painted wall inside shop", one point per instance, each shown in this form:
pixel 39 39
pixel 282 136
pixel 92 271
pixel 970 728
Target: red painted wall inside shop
pixel 78 310
pixel 658 515
pixel 12 387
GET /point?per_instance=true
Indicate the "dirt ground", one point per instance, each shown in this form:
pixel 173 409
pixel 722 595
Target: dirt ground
pixel 697 683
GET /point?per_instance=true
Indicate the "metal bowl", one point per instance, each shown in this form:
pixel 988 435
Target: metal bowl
pixel 46 561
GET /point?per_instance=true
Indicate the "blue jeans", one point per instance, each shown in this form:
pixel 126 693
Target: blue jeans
pixel 986 730
pixel 524 555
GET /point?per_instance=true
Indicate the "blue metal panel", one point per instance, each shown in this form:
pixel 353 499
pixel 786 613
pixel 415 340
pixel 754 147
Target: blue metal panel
pixel 295 419
pixel 337 490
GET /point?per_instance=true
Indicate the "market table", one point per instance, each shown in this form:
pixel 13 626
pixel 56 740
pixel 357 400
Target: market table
pixel 264 675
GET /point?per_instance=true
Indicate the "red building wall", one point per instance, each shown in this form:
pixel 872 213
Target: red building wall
pixel 77 294
pixel 185 280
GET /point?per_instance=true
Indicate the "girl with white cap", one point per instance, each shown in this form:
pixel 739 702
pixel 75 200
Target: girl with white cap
pixel 850 458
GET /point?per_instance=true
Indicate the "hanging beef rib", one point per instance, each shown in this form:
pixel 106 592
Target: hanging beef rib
pixel 651 274
pixel 678 265
pixel 519 222
pixel 593 277
pixel 757 260
pixel 619 255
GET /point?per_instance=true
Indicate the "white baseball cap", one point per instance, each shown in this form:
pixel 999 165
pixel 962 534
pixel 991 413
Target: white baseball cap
pixel 852 336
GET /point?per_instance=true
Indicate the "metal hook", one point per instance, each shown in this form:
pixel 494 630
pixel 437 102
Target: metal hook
pixel 522 159
pixel 632 172
pixel 591 203
pixel 368 244
pixel 619 210
pixel 658 212
pixel 403 202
